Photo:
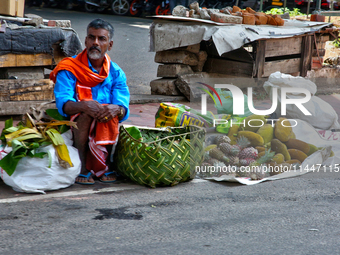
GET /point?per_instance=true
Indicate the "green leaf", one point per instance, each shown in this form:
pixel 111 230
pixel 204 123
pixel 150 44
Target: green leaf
pixel 63 129
pixel 45 143
pixel 40 154
pixel 134 132
pixel 9 123
pixel 18 148
pixel 11 129
pixel 55 136
pixel 9 163
pixel 34 146
pixel 53 113
pixel 30 153
pixel 49 159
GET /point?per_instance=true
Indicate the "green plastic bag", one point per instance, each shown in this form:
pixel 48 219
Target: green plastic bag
pixel 227 103
pixel 224 128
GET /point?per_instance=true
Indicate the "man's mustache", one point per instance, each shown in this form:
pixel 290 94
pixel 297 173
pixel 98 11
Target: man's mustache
pixel 95 48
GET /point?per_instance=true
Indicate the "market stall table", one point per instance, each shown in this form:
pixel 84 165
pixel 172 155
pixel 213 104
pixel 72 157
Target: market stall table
pixel 237 50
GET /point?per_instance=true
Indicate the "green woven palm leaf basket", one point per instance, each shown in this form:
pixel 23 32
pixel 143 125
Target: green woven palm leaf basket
pixel 159 157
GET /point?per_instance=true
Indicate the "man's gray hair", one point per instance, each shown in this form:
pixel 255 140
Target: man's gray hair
pixel 100 23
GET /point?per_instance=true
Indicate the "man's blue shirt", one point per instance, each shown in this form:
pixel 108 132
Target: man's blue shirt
pixel 113 90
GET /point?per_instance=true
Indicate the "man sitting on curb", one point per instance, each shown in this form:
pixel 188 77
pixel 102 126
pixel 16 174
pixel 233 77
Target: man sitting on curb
pixel 92 90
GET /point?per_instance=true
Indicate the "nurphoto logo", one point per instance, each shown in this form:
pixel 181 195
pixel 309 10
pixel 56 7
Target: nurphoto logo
pixel 238 103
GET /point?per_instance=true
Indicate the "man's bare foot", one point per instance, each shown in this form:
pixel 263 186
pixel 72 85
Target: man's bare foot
pixel 85 179
pixel 108 177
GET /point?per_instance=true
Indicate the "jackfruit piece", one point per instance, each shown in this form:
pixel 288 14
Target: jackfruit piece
pixel 298 144
pixel 279 158
pixel 254 139
pixel 279 147
pixel 260 154
pixel 232 134
pixel 292 135
pixel 281 132
pixel 293 161
pixel 256 121
pixel 297 154
pixel 260 148
pixel 267 132
pixel 312 149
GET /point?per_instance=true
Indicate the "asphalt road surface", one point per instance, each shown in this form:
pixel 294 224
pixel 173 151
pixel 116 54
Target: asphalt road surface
pixel 293 216
pixel 131 43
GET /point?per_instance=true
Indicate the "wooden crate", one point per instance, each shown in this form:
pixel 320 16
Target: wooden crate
pixel 259 59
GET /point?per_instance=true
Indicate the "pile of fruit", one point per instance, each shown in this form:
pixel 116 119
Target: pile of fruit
pixel 228 15
pixel 246 148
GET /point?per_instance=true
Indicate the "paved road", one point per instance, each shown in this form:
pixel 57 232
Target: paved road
pixel 292 216
pixel 131 43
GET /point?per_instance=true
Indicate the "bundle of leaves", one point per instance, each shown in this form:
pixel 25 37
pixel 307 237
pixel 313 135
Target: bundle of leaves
pixel 30 135
pixel 279 11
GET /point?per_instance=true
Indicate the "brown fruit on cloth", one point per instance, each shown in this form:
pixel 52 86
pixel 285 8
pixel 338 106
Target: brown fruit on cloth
pixel 279 147
pixel 293 161
pixel 282 130
pixel 260 148
pixel 298 144
pixel 297 154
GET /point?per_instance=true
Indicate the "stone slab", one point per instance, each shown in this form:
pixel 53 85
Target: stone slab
pixel 173 70
pixel 176 57
pixel 189 84
pixel 164 87
pixel 202 58
pixel 194 48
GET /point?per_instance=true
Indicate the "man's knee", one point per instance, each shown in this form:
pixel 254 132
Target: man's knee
pixel 84 118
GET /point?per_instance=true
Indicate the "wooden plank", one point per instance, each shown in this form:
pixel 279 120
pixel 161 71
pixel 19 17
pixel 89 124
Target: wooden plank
pixel 260 51
pixel 224 66
pixel 21 107
pixel 40 59
pixel 283 46
pixel 8 84
pixel 284 66
pixel 26 90
pixel 20 60
pixel 322 53
pixel 306 55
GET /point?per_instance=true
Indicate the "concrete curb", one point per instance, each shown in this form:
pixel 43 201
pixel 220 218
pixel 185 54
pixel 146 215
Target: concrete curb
pixel 145 99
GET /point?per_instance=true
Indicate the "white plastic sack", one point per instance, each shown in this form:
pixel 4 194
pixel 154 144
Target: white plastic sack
pixel 323 115
pixel 32 175
pixel 287 80
pixel 305 132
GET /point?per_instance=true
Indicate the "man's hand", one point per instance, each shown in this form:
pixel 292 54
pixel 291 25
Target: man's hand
pixel 108 113
pixel 93 108
pixel 101 113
